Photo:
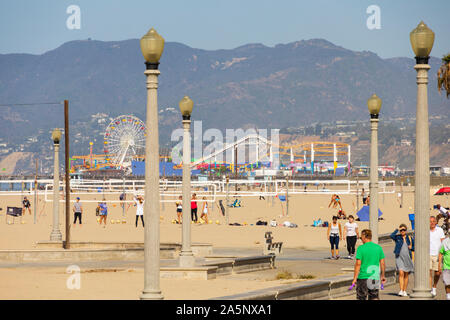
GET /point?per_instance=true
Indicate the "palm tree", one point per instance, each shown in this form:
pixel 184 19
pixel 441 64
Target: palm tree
pixel 444 75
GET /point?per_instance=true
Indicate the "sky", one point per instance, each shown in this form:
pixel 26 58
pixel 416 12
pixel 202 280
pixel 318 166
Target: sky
pixel 37 26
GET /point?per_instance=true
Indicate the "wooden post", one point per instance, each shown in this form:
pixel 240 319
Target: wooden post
pixel 227 219
pixel 287 196
pixel 66 147
pixel 357 193
pixel 35 191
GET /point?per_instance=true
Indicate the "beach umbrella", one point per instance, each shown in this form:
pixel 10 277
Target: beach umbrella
pixel 363 213
pixel 442 191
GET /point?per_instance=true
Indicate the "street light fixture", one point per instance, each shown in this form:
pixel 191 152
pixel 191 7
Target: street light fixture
pixel 186 256
pixel 374 105
pixel 422 39
pixel 152 46
pixel 56 235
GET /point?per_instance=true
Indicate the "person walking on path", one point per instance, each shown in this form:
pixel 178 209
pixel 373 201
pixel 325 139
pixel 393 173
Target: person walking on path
pixel 363 196
pixel 334 233
pixel 179 206
pixel 103 213
pixel 369 268
pixel 194 208
pixel 204 214
pixel 139 203
pixel 77 211
pixel 444 265
pixel 404 256
pixel 351 234
pixel 436 238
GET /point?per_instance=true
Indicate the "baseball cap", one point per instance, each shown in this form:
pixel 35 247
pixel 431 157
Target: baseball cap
pixel 78 198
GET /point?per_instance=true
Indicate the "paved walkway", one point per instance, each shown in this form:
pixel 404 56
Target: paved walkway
pixel 298 262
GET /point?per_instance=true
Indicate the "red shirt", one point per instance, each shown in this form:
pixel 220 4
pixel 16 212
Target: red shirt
pixel 193 204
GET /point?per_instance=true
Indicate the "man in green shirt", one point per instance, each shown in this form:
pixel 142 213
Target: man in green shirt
pixel 368 266
pixel 444 256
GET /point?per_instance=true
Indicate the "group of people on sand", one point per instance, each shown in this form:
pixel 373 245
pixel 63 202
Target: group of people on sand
pixel 102 211
pixel 194 208
pixel 336 202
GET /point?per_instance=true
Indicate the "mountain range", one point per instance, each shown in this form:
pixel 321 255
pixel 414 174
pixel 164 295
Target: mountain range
pixel 288 85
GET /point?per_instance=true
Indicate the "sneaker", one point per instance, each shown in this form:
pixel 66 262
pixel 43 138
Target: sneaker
pixel 400 294
pixel 337 257
pixel 405 294
pixel 350 257
pixel 433 292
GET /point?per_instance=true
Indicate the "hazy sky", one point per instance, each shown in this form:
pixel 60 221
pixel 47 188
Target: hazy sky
pixel 36 26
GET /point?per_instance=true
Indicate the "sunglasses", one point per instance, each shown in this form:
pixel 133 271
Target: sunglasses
pixel 402 230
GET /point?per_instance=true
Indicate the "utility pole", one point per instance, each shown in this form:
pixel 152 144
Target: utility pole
pixel 227 218
pixel 401 193
pixel 357 193
pixel 124 197
pixel 35 191
pixel 287 196
pixel 66 147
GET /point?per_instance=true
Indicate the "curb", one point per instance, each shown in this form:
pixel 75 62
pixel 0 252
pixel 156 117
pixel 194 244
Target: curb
pixel 321 289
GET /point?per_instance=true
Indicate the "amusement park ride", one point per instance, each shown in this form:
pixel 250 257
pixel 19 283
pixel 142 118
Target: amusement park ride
pixel 124 142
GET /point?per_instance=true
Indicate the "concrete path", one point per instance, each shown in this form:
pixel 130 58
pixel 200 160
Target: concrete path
pixel 298 262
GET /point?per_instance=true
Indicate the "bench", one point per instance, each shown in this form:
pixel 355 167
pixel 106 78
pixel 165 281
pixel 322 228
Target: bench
pixel 270 247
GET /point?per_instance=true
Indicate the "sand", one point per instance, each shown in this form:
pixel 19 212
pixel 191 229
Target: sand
pixel 28 282
pixel 303 209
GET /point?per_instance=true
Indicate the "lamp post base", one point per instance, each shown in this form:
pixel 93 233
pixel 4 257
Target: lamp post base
pixel 56 236
pixel 151 295
pixel 421 294
pixel 186 259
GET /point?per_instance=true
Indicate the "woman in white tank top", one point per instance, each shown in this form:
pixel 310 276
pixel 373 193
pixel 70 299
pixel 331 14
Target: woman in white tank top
pixel 334 233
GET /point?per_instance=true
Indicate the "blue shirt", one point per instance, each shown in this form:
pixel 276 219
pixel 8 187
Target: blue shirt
pixel 398 239
pixel 103 209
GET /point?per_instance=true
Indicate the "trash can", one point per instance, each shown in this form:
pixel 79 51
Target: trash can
pixel 411 218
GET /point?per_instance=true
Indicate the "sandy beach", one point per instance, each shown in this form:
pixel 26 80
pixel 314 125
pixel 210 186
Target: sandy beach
pixel 303 209
pixel 49 282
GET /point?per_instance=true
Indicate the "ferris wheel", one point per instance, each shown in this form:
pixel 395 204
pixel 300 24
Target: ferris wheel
pixel 124 140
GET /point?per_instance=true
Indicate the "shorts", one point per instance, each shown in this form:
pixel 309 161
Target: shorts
pixel 446 277
pixel 334 241
pixel 434 264
pixel 363 291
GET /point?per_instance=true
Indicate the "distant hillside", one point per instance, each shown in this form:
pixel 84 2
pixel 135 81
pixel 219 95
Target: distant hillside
pixel 253 85
pixel 287 85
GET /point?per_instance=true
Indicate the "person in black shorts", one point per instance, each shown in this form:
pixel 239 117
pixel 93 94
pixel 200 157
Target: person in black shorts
pixel 364 196
pixel 77 211
pixel 26 205
pixel 370 267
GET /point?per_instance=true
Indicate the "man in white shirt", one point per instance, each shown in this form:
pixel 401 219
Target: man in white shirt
pixel 436 238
